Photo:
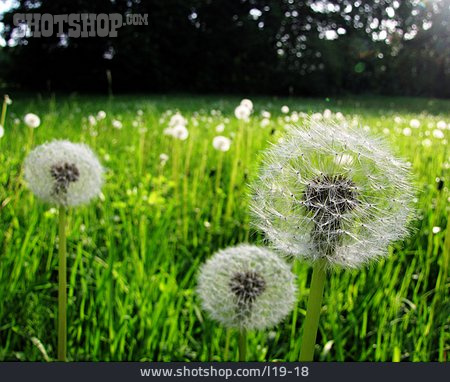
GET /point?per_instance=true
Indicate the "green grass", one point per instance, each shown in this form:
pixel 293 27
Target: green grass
pixel 133 254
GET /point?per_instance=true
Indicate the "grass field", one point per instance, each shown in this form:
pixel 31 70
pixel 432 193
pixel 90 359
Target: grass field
pixel 134 252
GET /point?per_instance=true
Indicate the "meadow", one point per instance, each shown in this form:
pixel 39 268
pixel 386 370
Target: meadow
pixel 134 253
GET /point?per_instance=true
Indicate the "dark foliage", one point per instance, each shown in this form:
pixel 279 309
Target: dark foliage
pixel 220 46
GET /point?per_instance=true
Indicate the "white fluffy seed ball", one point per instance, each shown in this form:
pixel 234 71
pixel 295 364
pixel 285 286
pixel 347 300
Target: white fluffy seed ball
pixel 247 287
pixel 334 193
pixel 221 143
pixel 32 120
pixel 63 173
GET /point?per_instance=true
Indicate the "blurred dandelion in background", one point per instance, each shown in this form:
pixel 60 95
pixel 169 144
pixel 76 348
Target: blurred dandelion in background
pixel 221 143
pixel 32 120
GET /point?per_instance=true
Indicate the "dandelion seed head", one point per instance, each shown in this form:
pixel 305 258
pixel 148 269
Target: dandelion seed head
pixel 92 120
pixel 332 192
pixel 177 120
pixel 101 115
pixel 407 132
pixel 163 158
pixel 64 173
pixel 414 123
pixel 441 125
pixel 242 112
pixel 247 103
pixel 180 132
pixel 221 143
pixel 285 109
pixel 117 124
pixel 247 287
pixel 438 134
pixel 8 100
pixel 32 120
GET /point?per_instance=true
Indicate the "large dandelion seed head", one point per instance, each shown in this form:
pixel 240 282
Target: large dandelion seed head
pixel 247 287
pixel 64 173
pixel 333 193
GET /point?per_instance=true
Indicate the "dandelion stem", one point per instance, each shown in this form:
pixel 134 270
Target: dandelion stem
pixel 313 312
pixel 3 117
pixel 62 287
pixel 242 345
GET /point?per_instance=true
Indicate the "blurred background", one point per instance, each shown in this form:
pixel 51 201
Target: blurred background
pixel 269 47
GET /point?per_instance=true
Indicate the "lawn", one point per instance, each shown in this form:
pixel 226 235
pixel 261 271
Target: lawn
pixel 134 253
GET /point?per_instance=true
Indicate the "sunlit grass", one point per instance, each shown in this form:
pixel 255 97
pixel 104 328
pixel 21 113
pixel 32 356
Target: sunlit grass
pixel 134 254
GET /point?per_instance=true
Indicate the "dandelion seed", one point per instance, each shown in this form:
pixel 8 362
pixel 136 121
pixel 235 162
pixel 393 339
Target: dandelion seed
pixel 63 173
pixel 221 143
pixel 247 287
pixel 332 193
pixel 285 109
pixel 32 120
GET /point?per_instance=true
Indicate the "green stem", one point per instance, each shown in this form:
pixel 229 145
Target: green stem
pixel 3 117
pixel 242 345
pixel 313 313
pixel 62 287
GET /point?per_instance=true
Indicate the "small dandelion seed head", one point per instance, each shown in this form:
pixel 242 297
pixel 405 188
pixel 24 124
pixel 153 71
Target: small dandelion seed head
pixel 247 103
pixel 242 112
pixel 32 120
pixel 221 143
pixel 247 287
pixel 63 173
pixel 101 115
pixel 334 193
